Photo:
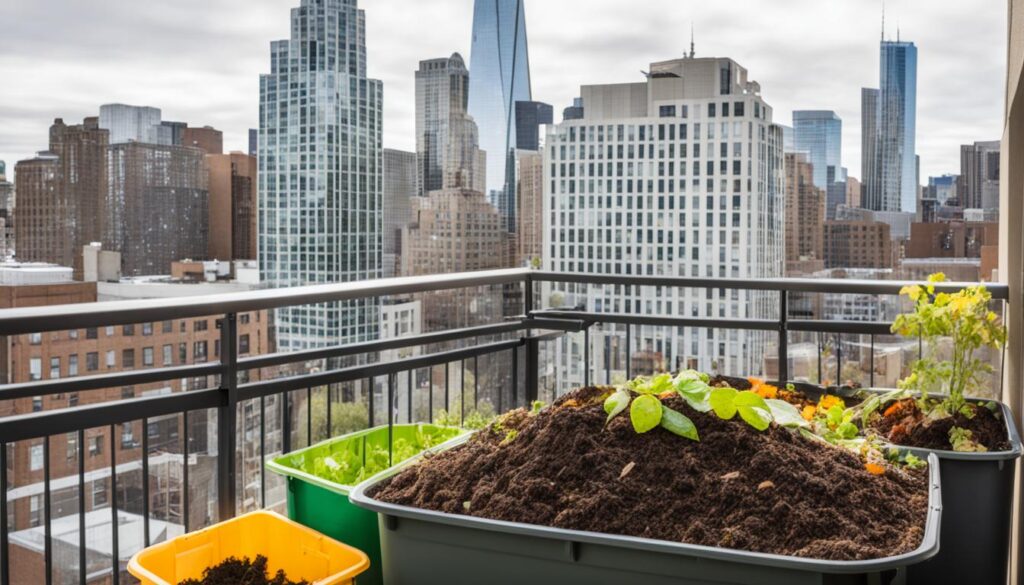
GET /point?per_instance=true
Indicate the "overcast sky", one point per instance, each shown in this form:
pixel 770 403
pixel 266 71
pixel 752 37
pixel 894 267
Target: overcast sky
pixel 200 60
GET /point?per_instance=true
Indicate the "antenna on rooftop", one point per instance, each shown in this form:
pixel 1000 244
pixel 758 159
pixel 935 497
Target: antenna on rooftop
pixel 883 21
pixel 691 41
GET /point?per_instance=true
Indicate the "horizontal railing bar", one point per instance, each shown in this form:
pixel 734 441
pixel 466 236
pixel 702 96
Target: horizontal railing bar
pixel 54 422
pixel 629 319
pixel 277 359
pixel 84 383
pixel 813 285
pixel 851 327
pixel 74 316
pixel 556 324
pixel 271 387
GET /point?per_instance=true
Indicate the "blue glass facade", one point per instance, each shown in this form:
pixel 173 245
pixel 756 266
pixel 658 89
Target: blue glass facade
pixel 897 120
pixel 819 133
pixel 499 76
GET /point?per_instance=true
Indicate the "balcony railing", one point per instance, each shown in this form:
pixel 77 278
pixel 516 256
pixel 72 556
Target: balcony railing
pixel 520 337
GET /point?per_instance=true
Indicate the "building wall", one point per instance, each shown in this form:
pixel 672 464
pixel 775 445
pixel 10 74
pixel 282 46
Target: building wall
pixel 40 227
pixel 157 208
pixel 805 211
pixel 953 239
pixel 210 140
pixel 399 187
pixel 858 244
pixel 446 137
pixel 530 232
pixel 232 206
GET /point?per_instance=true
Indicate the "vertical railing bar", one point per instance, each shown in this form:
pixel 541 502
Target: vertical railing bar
pixel 871 363
pixel 608 359
pixel 391 418
pixel 309 416
pixel 286 422
pixel 145 481
pixel 839 360
pixel 81 507
pixel 447 382
pixel 430 394
pixel 1002 361
pixel 184 474
pixel 515 377
pixel 476 383
pixel 369 393
pixel 629 350
pixel 462 392
pixel 329 400
pixel 47 514
pixel 5 561
pixel 115 558
pixel 586 356
pixel 820 380
pixel 783 337
pixel 227 418
pixel 408 393
pixel 263 452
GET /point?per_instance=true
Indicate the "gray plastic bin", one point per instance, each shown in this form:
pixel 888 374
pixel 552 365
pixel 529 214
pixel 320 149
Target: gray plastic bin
pixel 422 546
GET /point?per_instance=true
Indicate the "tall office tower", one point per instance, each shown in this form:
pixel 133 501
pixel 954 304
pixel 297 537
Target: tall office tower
pixel 82 187
pixel 455 230
pixel 320 177
pixel 530 199
pixel 805 216
pixel 209 139
pixel 854 191
pixel 819 133
pixel 40 226
pixel 501 77
pixel 232 186
pixel 6 213
pixel 870 195
pixel 979 175
pixel 678 175
pixel 254 141
pixel 893 183
pixel 447 140
pixel 399 188
pixel 530 116
pixel 157 206
pixel 133 124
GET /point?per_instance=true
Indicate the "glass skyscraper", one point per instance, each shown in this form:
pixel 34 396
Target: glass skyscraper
pixel 895 172
pixel 819 133
pixel 499 76
pixel 320 165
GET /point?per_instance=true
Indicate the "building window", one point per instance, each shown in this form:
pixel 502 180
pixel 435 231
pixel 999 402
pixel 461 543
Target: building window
pixel 35 509
pixel 110 330
pixel 73 334
pixel 200 325
pixel 199 351
pixel 243 318
pixel 73 364
pixel 91 333
pixel 36 457
pixel 35 338
pixel 99 494
pixel 147 356
pixel 168 355
pixel 96 446
pixel 168 326
pixel 92 361
pixel 54 368
pixel 128 358
pixel 182 353
pixel 37 403
pixel 147 329
pixel 128 330
pixel 72 445
pixel 127 392
pixel 243 343
pixel 127 436
pixel 111 358
pixel 35 368
pixel 711 110
pixel 667 111
pixel 72 400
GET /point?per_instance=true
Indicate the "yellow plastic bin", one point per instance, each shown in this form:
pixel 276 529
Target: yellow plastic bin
pixel 304 554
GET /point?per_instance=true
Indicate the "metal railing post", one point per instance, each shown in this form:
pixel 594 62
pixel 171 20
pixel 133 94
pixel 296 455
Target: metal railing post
pixel 783 337
pixel 531 378
pixel 226 417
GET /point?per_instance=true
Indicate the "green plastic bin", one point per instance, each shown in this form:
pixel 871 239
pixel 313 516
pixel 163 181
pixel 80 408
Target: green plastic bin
pixel 322 504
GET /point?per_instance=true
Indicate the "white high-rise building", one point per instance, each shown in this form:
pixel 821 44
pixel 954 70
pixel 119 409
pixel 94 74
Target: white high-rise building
pixel 320 178
pixel 680 175
pixel 131 123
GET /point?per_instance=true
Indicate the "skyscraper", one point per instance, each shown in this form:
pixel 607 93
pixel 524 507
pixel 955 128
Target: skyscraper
pixel 320 172
pixel 447 141
pixel 39 232
pixel 893 184
pixel 870 196
pixel 500 68
pixel 132 124
pixel 232 189
pixel 530 116
pixel 399 189
pixel 819 133
pixel 685 180
pixel 6 213
pixel 805 217
pixel 979 172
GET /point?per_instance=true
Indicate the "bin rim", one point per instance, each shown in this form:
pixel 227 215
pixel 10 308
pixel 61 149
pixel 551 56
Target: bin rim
pixel 928 548
pixel 136 569
pixel 278 466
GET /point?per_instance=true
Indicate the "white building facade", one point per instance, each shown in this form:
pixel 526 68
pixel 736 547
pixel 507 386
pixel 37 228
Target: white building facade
pixel 678 176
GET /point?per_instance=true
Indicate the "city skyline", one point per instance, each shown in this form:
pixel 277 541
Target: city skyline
pixel 209 80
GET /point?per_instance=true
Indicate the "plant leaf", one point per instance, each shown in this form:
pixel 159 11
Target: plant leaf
pixel 616 403
pixel 785 414
pixel 645 413
pixel 722 402
pixel 757 417
pixel 678 423
pixel 695 392
pixel 869 407
pixel 750 398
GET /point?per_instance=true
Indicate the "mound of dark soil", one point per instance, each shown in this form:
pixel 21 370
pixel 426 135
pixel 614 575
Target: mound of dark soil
pixel 241 572
pixel 906 425
pixel 772 492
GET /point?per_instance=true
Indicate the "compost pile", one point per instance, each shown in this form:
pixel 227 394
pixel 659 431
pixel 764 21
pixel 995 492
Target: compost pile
pixel 903 423
pixel 241 572
pixel 772 492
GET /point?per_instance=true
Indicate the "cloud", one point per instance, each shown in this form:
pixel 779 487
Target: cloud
pixel 200 60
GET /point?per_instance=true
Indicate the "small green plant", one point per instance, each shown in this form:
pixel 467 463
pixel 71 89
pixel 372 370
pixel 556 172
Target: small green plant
pixel 349 467
pixel 646 412
pixel 965 318
pixel 963 440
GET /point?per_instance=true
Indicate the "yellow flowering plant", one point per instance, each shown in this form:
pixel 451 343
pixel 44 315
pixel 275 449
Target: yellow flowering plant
pixel 965 318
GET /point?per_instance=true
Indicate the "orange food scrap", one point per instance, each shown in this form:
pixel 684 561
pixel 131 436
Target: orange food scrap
pixel 828 401
pixel 571 403
pixel 766 391
pixel 755 382
pixel 895 408
pixel 808 412
pixel 874 468
pixel 667 394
